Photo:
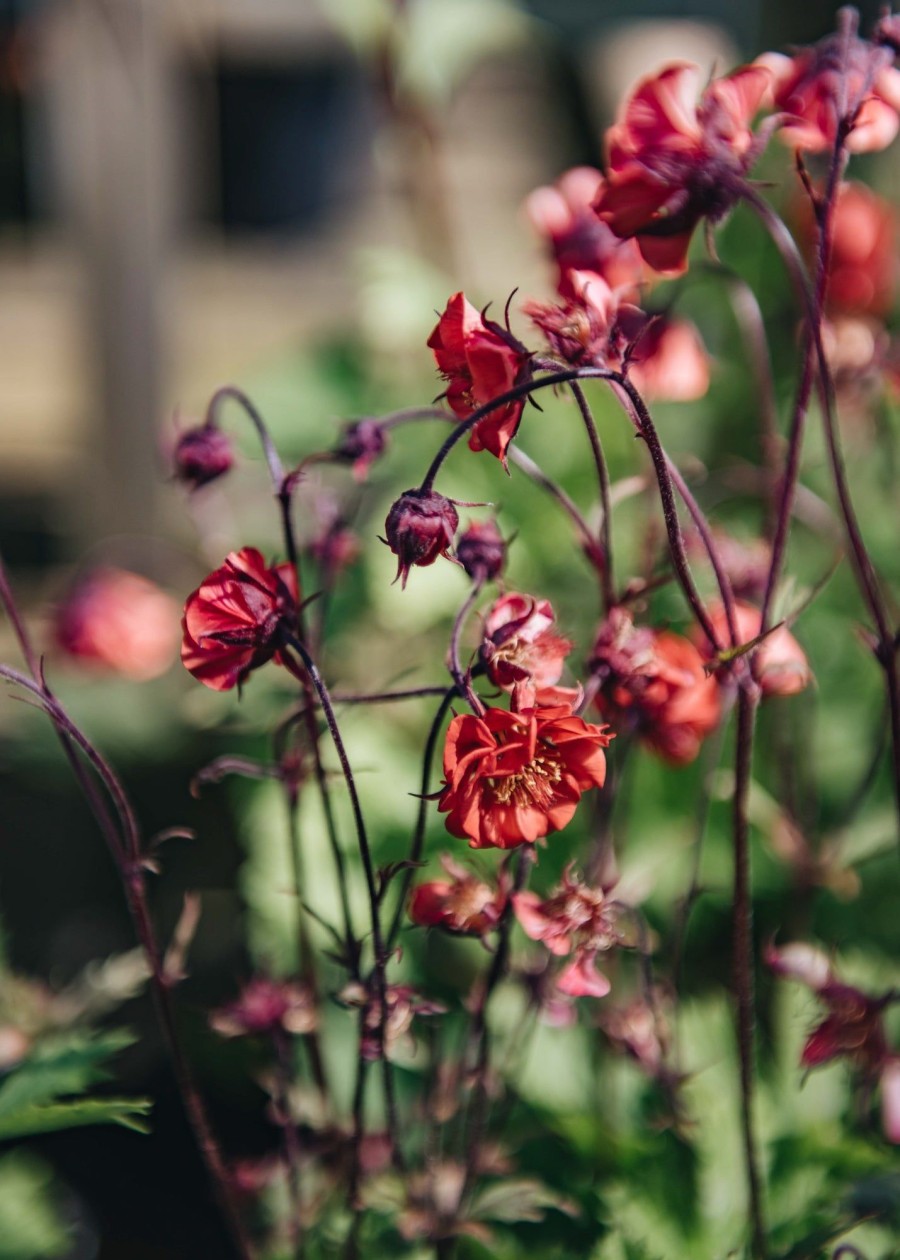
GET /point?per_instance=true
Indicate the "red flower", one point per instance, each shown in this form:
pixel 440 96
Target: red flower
pixel 853 1027
pixel 120 622
pixel 420 527
pixel 653 681
pixel 462 904
pixel 479 360
pixel 234 621
pixel 520 644
pixel 778 664
pixel 674 158
pixel 511 778
pixel 575 920
pixel 840 78
pixel 578 241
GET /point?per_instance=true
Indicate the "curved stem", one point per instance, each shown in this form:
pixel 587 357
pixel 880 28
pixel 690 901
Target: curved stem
pixel 537 475
pixel 606 573
pixel 273 460
pixel 462 677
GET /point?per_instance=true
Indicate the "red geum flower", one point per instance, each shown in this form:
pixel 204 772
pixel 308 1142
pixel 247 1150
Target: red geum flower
pixel 120 622
pixel 234 621
pixel 513 777
pixel 842 79
pixel 481 551
pixel 574 920
pixel 266 1007
pixel 420 527
pixel 675 157
pixel 201 455
pixel 654 682
pixel 853 1027
pixel 462 904
pixel 778 664
pixel 480 360
pixel 520 643
pixel 577 240
pixel 863 264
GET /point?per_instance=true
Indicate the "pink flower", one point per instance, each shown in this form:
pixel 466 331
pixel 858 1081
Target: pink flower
pixel 863 265
pixel 521 645
pixel 574 921
pixel 676 155
pixel 402 1005
pixel 778 664
pixel 853 1027
pixel 235 620
pixel 654 682
pixel 841 79
pixel 463 904
pixel 576 239
pixel 120 622
pixel 265 1007
pixel 480 360
pixel 670 362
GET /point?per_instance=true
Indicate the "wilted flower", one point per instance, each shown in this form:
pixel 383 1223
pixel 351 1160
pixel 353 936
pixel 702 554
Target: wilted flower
pixel 420 527
pixel 654 682
pixel 266 1007
pixel 513 777
pixel 640 1030
pixel 862 265
pixel 481 551
pixel 480 360
pixel 578 241
pixel 360 444
pixel 676 155
pixel 841 79
pixel 201 455
pixel 402 1004
pixel 235 620
pixel 520 643
pixel 463 903
pixel 574 920
pixel 853 1027
pixel 118 621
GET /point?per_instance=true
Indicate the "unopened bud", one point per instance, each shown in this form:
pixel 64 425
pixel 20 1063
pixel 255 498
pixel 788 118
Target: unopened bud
pixel 419 527
pixel 201 455
pixel 481 551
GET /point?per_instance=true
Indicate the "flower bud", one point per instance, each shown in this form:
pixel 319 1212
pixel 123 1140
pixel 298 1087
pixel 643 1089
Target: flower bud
pixel 360 444
pixel 201 455
pixel 481 551
pixel 420 527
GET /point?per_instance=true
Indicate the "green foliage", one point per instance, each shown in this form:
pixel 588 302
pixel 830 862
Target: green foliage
pixel 30 1228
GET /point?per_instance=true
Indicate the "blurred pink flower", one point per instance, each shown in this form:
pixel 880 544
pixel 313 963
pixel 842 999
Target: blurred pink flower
pixel 120 622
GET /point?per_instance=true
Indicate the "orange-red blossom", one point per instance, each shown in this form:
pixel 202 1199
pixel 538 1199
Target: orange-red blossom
pixel 513 777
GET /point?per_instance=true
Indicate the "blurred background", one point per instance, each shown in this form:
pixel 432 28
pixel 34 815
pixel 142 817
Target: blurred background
pixel 279 194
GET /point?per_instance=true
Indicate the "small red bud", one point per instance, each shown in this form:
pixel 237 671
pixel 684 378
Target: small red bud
pixel 360 444
pixel 201 455
pixel 481 551
pixel 420 527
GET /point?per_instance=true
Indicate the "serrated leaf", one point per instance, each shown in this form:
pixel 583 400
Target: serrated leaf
pixel 60 1066
pixel 50 1117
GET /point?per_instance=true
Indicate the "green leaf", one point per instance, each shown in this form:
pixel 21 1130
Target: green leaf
pixel 30 1228
pixel 50 1117
pixel 57 1067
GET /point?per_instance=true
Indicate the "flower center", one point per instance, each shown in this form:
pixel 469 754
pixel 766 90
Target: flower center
pixel 534 784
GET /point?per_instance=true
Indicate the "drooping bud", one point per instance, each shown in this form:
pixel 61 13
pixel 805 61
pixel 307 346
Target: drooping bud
pixel 360 444
pixel 419 527
pixel 481 551
pixel 201 455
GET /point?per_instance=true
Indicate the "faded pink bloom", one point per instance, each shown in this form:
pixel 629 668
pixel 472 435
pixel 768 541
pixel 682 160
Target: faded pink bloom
pixel 778 664
pixel 670 362
pixel 654 682
pixel 120 622
pixel 521 645
pixel 403 1004
pixel 676 155
pixel 575 921
pixel 853 1027
pixel 641 1031
pixel 839 79
pixel 577 240
pixel 265 1007
pixel 463 903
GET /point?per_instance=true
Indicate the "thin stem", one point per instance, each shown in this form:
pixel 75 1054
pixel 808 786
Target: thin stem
pixel 606 573
pixel 283 1079
pixel 386 697
pixel 273 460
pixel 742 958
pixel 462 677
pixel 408 414
pixel 537 475
pixel 418 839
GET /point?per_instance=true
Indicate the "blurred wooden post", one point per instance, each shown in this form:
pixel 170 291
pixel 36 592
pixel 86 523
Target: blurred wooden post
pixel 112 114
